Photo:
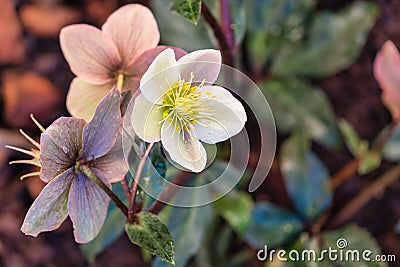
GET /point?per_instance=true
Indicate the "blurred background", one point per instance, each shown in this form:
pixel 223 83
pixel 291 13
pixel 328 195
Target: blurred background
pixel 34 78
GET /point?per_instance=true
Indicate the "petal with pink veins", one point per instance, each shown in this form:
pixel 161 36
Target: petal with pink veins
pixel 91 55
pixel 387 73
pixel 133 30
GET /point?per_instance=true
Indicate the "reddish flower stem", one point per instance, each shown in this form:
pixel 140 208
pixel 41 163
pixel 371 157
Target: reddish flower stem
pixel 227 55
pixel 135 186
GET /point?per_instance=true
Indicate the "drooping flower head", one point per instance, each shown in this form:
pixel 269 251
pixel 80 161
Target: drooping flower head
pixel 68 146
pixel 387 73
pixel 179 105
pixel 124 47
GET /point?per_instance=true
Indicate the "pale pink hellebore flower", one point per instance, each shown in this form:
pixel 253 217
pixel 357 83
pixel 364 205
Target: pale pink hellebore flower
pixel 387 73
pixel 179 105
pixel 126 44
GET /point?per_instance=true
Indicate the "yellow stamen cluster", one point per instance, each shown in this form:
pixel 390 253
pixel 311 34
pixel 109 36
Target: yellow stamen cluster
pixel 183 105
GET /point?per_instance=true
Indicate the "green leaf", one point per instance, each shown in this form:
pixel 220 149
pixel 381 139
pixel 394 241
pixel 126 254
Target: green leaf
pixel 112 229
pixel 176 31
pixel 391 150
pixel 188 227
pixel 273 23
pixel 306 177
pixel 236 208
pixel 357 239
pixel 369 162
pixel 272 226
pixel 356 146
pixel 151 234
pixel 334 42
pixel 297 105
pixel 154 172
pixel 189 9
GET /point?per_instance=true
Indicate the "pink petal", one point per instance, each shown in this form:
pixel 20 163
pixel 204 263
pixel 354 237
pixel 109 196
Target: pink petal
pixel 59 146
pixel 113 164
pixel 83 98
pixel 87 207
pixel 204 64
pixel 133 29
pixel 100 133
pixel 90 54
pixel 387 73
pixel 139 66
pixel 49 209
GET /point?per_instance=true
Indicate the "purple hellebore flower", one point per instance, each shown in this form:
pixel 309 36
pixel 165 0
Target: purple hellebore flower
pixel 65 146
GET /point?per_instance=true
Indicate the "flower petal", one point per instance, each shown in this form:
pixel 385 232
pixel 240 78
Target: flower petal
pixel 387 73
pixel 59 146
pixel 205 65
pixel 145 119
pixel 183 149
pixel 90 54
pixel 49 209
pixel 139 66
pixel 154 86
pixel 228 117
pixel 83 98
pixel 100 133
pixel 113 164
pixel 87 207
pixel 133 30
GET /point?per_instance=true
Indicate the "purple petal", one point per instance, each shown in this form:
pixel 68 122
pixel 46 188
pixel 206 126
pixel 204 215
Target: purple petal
pixel 100 133
pixel 91 55
pixel 87 207
pixel 59 146
pixel 133 29
pixel 49 209
pixel 204 64
pixel 113 164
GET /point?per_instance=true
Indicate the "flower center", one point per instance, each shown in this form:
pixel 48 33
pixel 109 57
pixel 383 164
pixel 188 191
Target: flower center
pixel 183 105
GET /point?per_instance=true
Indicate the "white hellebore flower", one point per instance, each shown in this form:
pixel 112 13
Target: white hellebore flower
pixel 179 105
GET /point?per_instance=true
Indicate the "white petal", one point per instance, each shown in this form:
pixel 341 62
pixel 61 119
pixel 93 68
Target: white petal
pixel 87 206
pixel 204 64
pixel 145 119
pixel 184 150
pixel 227 119
pixel 50 208
pixel 154 86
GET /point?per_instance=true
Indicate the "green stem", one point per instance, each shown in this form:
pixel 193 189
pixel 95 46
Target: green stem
pixel 135 186
pixel 88 172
